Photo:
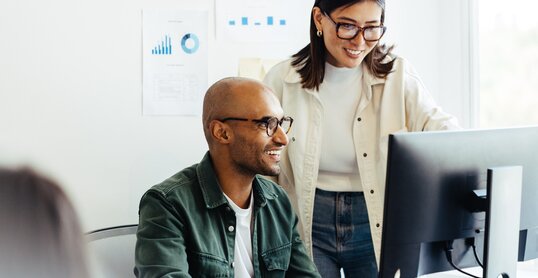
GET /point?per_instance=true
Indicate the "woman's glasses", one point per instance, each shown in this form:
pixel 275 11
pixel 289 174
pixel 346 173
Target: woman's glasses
pixel 348 31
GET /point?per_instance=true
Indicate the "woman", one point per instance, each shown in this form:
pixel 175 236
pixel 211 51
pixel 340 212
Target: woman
pixel 347 94
pixel 40 234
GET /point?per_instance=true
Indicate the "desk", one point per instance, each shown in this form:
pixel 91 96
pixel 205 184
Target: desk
pixel 526 269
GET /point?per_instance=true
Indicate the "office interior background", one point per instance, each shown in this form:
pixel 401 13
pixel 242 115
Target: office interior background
pixel 71 86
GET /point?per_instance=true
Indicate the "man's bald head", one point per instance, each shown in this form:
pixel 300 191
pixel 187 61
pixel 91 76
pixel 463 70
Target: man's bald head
pixel 230 96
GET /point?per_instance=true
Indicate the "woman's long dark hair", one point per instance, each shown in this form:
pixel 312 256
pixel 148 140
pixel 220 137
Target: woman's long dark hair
pixel 310 61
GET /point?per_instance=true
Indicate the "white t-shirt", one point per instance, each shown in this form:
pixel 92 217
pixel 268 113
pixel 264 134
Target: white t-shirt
pixel 243 267
pixel 340 93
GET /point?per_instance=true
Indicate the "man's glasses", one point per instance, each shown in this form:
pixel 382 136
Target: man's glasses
pixel 270 123
pixel 348 31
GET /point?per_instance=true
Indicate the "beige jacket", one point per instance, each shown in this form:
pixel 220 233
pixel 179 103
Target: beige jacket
pixel 398 103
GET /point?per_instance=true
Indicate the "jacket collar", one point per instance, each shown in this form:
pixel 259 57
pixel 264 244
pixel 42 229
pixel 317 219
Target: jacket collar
pixel 212 193
pixel 371 79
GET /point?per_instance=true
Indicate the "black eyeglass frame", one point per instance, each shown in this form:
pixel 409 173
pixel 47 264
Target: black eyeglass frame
pixel 360 30
pixel 265 121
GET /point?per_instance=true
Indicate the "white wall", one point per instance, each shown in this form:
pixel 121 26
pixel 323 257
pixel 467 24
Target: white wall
pixel 70 91
pixel 434 37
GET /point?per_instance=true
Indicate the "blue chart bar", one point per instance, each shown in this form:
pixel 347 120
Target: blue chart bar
pixel 164 48
pixel 267 21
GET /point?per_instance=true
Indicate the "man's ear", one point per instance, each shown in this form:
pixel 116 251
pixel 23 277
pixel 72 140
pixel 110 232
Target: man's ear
pixel 220 131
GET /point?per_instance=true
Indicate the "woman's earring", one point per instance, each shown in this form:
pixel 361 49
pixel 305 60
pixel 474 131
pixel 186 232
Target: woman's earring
pixel 319 33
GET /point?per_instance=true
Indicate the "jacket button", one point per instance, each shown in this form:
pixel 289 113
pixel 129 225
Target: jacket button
pixel 364 154
pixel 233 264
pixel 372 191
pixel 231 228
pixel 377 225
pixel 359 119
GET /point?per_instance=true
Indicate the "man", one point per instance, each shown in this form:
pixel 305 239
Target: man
pixel 218 218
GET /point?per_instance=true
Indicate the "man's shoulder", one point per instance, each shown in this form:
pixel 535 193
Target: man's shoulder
pixel 182 180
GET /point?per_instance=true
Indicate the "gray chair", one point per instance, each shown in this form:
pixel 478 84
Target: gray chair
pixel 112 250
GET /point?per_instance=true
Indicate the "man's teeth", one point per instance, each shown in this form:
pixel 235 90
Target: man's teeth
pixel 273 152
pixel 354 52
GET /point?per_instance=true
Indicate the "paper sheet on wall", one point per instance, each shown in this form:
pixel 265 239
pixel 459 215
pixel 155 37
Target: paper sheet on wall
pixel 175 61
pixel 258 20
pixel 256 68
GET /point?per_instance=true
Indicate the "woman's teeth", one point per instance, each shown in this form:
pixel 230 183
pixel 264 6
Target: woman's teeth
pixel 354 52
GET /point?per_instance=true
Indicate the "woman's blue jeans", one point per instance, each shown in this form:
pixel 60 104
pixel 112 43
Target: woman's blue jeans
pixel 341 235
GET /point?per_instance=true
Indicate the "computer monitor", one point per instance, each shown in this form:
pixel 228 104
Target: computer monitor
pixel 432 178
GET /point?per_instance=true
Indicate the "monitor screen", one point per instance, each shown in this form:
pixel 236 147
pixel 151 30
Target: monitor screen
pixel 430 196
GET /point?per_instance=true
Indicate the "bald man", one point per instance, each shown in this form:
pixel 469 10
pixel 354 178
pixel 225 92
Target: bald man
pixel 219 218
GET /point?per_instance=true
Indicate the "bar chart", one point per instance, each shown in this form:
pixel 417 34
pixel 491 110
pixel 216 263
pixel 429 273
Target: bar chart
pixel 164 47
pixel 189 44
pixel 257 21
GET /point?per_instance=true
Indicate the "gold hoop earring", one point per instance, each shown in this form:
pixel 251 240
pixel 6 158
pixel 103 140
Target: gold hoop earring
pixel 319 33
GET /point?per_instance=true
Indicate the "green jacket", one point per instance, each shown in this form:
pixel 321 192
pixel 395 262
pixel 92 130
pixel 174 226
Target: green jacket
pixel 187 228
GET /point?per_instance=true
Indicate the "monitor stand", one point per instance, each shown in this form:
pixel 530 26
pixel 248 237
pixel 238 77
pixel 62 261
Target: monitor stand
pixel 502 222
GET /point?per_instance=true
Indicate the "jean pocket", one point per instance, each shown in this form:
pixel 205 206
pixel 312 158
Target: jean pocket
pixel 277 259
